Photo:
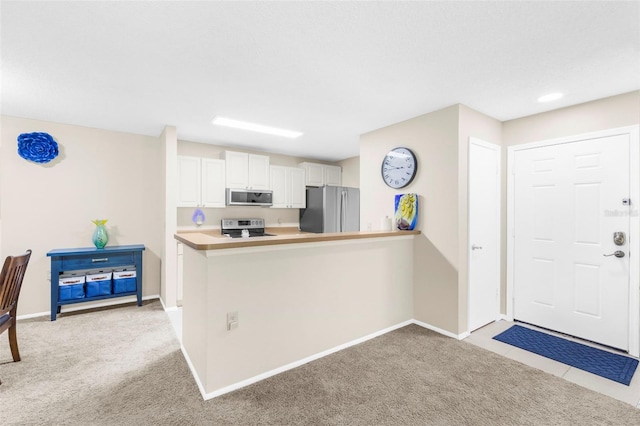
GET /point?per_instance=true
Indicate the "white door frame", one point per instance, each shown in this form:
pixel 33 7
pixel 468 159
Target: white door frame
pixel 498 149
pixel 634 222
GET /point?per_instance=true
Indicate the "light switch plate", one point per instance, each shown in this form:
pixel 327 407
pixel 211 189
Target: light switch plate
pixel 232 320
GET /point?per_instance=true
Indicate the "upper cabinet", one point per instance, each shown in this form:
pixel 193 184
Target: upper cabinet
pixel 333 175
pixel 246 171
pixel 213 182
pixel 189 183
pixel 201 182
pixel 314 173
pixel 321 174
pixel 288 186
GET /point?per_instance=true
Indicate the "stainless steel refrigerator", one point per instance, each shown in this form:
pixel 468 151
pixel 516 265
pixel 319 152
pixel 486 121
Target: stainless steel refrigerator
pixel 331 209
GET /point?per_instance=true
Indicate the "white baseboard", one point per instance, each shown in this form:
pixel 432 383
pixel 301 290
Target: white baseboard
pixel 173 308
pixel 464 335
pixel 503 317
pixel 441 331
pixel 108 302
pixel 267 374
pixel 193 372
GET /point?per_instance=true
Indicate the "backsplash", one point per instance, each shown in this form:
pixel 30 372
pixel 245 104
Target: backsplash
pixel 272 217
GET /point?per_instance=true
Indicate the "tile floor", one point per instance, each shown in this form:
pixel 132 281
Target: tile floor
pixel 483 338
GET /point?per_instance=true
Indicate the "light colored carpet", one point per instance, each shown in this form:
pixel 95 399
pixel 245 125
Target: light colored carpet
pixel 123 366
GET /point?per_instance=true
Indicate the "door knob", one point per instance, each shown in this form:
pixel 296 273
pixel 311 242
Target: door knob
pixel 475 247
pixel 617 253
pixel 619 238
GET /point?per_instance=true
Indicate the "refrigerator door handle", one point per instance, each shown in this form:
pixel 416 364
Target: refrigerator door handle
pixel 343 210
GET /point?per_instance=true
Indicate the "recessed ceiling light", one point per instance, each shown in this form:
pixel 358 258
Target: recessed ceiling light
pixel 550 97
pixel 236 124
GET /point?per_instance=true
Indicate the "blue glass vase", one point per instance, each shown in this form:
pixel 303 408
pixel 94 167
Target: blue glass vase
pixel 100 237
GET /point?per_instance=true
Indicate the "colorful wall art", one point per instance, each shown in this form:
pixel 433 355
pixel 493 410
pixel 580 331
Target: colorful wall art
pixel 406 216
pixel 38 147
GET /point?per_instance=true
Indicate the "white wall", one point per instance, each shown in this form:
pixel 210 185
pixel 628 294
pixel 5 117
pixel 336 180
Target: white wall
pixel 99 174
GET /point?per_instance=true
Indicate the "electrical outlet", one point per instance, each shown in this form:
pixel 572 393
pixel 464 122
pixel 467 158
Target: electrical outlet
pixel 232 321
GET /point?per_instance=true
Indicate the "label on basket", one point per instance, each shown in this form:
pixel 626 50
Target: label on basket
pixel 98 277
pixel 124 274
pixel 75 281
pixel 71 280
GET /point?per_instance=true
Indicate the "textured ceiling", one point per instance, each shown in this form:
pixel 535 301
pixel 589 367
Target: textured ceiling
pixel 333 70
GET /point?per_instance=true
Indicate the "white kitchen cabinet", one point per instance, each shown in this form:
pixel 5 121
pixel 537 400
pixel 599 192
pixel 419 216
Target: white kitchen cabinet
pixel 213 182
pixel 333 175
pixel 288 186
pixel 201 182
pixel 279 186
pixel 314 173
pixel 189 181
pixel 246 171
pixel 321 174
pixel 298 188
pixel 258 172
pixel 237 166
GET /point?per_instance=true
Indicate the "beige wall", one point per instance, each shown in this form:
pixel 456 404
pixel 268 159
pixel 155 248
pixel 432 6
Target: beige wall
pixel 99 174
pixel 607 113
pixel 440 141
pixel 350 172
pixel 433 138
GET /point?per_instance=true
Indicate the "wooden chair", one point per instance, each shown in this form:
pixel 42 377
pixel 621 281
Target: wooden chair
pixel 10 283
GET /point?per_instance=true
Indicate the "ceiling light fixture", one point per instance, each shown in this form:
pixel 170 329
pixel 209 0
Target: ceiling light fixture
pixel 550 97
pixel 236 124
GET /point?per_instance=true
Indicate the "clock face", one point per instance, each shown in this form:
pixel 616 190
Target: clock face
pixel 399 167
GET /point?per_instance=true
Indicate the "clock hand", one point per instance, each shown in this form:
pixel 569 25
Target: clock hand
pixel 390 167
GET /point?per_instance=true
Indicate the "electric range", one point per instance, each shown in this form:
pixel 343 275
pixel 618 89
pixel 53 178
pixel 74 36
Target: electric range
pixel 243 228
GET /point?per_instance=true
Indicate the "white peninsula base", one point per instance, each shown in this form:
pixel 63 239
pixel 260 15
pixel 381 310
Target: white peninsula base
pixel 295 303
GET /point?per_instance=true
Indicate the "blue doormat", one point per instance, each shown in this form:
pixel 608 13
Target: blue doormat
pixel 611 366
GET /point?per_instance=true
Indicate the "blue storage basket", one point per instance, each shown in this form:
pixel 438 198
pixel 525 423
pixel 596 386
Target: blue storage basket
pixel 99 284
pixel 71 287
pixel 124 281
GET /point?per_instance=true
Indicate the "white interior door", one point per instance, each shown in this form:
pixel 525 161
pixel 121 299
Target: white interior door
pixel 484 233
pixel 569 200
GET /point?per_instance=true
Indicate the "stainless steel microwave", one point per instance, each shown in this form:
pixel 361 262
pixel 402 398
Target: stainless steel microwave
pixel 249 197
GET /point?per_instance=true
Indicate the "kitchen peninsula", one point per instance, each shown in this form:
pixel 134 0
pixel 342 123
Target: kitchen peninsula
pixel 254 307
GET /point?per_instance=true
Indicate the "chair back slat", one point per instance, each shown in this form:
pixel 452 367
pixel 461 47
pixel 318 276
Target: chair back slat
pixel 11 280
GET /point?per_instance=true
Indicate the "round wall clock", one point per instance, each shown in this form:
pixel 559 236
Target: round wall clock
pixel 399 167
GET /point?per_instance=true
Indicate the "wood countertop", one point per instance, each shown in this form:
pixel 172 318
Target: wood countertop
pixel 213 240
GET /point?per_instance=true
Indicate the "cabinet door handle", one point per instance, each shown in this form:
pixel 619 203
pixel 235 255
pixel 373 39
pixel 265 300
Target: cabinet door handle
pixel 102 259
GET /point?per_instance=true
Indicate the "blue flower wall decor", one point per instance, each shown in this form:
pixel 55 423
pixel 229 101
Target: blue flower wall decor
pixel 38 147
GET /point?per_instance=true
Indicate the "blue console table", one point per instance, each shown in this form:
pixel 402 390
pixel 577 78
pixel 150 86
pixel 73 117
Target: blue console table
pixel 92 258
